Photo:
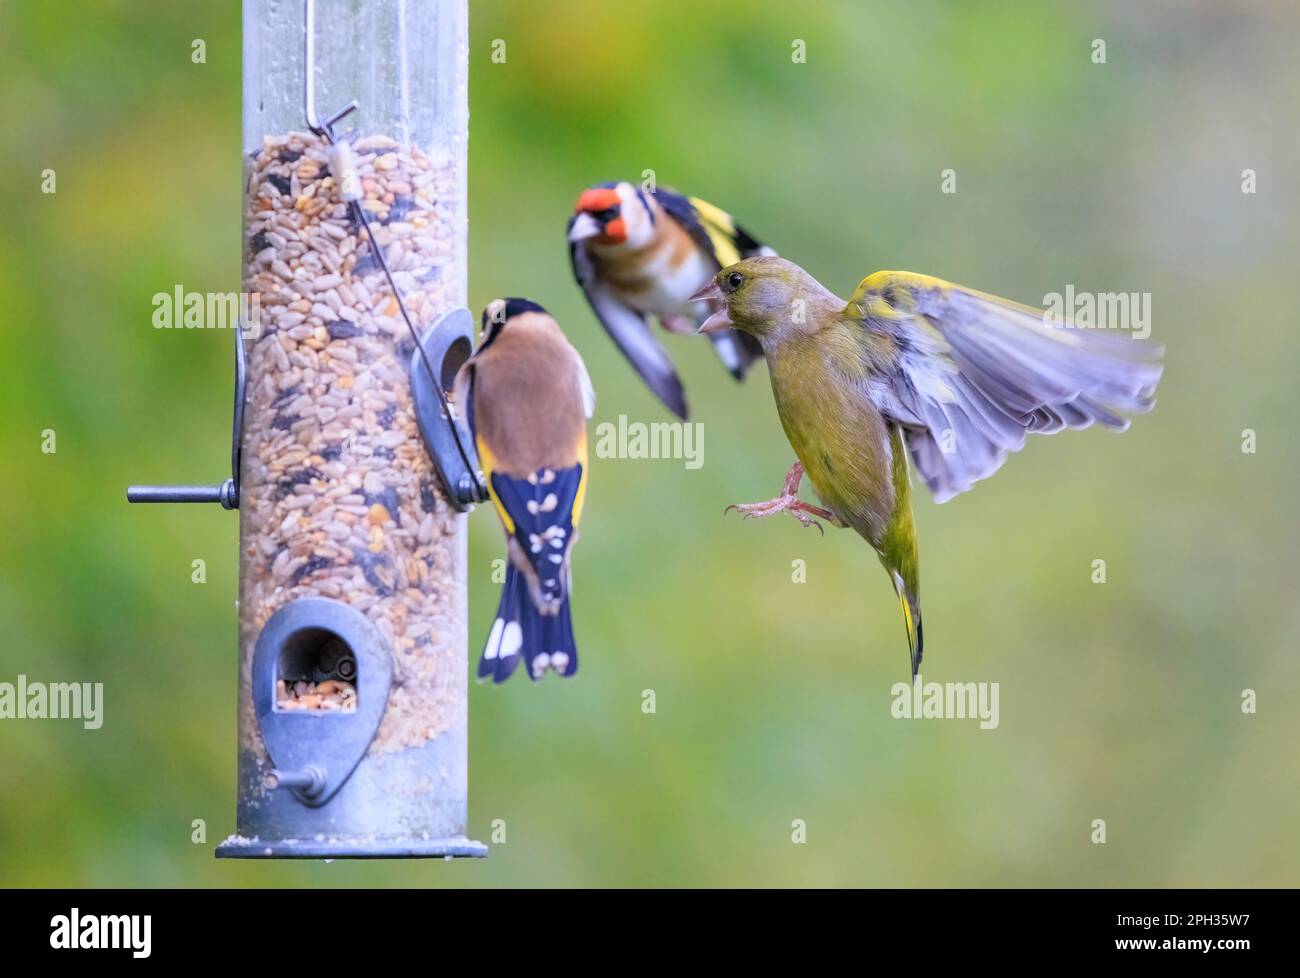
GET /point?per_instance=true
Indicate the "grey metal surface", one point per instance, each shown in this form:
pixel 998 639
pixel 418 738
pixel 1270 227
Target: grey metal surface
pixel 183 494
pixel 455 847
pixel 443 349
pixel 403 798
pixel 331 742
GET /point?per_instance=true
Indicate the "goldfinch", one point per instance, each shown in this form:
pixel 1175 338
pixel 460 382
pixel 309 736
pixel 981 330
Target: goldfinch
pixel 914 364
pixel 639 253
pixel 528 399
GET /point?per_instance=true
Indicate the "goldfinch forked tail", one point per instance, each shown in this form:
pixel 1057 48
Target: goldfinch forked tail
pixel 533 621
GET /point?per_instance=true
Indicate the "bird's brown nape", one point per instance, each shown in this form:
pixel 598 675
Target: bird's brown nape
pixel 523 369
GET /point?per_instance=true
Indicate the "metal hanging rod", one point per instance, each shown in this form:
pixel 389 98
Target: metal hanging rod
pixel 227 492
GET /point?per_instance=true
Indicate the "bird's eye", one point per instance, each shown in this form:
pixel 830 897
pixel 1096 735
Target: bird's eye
pixel 607 215
pixel 734 280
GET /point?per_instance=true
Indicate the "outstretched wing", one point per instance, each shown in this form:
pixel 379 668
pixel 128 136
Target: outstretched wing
pixel 726 242
pixel 630 333
pixel 971 374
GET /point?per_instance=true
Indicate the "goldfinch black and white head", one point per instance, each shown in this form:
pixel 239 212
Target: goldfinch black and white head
pixel 639 252
pixel 613 214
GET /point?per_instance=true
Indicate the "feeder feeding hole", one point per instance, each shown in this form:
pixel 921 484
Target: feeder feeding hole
pixel 316 672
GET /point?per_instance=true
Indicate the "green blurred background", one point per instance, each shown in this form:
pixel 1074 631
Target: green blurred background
pixel 1118 701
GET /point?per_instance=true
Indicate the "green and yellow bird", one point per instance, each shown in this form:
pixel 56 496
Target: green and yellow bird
pixel 914 364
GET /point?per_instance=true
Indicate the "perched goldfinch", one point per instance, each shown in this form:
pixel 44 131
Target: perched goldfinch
pixel 915 364
pixel 639 253
pixel 528 399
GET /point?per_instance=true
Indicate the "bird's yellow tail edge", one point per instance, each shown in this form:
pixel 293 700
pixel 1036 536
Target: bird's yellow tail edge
pixel 911 609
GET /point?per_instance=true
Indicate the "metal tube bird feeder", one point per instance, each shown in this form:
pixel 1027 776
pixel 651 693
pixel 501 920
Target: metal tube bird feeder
pixel 352 601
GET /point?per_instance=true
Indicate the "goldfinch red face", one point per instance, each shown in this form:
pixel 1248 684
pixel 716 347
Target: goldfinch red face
pixel 612 215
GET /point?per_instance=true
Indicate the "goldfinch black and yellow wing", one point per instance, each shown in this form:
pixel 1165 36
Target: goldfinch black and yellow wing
pixel 718 235
pixel 713 229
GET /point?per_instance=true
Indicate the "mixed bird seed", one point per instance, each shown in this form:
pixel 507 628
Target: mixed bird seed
pixel 338 495
pixel 332 694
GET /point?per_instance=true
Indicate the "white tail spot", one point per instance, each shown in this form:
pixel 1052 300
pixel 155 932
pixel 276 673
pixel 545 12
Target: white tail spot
pixel 494 639
pixel 511 640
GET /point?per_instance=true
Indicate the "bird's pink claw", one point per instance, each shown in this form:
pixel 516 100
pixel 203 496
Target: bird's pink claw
pixel 791 504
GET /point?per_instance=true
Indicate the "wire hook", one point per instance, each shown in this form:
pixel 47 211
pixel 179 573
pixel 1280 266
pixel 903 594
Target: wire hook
pixel 323 129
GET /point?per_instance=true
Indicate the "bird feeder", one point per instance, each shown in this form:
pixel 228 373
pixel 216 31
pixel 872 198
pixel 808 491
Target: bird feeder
pixel 351 470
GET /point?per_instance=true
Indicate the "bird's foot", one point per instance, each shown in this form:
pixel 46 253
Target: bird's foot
pixel 785 503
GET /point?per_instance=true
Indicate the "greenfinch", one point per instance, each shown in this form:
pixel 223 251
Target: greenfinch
pixel 528 399
pixel 913 365
pixel 639 253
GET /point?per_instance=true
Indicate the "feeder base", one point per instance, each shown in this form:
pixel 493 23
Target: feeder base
pixel 237 847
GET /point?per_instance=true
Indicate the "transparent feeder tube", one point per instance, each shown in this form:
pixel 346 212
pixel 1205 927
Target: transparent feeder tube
pixel 352 620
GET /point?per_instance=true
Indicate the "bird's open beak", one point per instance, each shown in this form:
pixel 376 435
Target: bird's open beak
pixel 719 320
pixel 584 226
pixel 716 323
pixel 710 293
